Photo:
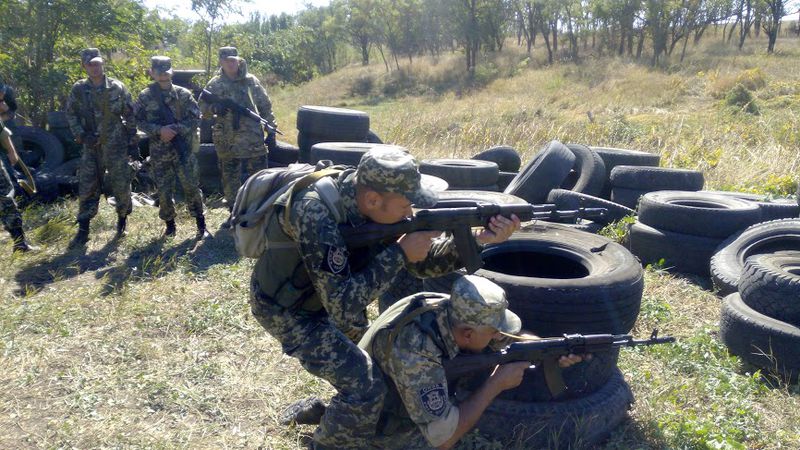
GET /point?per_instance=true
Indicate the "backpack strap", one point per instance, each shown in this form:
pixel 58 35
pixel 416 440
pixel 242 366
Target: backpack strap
pixel 429 303
pixel 303 183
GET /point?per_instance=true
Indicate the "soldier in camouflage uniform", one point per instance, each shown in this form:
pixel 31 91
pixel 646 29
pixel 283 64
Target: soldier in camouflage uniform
pixel 100 115
pixel 171 142
pixel 9 214
pixel 318 309
pixel 410 340
pixel 239 141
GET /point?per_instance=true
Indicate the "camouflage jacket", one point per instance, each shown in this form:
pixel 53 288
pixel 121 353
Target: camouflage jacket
pixel 248 140
pixel 183 106
pixel 112 107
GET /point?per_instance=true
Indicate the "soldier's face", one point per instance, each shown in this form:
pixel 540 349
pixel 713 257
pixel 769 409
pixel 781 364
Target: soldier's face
pixel 93 69
pixel 475 339
pixel 392 209
pixel 161 77
pixel 230 66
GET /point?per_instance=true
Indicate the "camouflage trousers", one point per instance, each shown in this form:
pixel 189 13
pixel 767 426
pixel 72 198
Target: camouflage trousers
pixel 166 169
pixel 94 163
pixel 230 172
pixel 9 214
pixel 351 417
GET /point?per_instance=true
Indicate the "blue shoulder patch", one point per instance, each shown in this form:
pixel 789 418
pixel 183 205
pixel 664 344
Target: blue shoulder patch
pixel 434 399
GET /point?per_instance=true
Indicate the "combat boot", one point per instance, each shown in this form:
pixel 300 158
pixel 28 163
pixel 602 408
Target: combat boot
pixel 122 224
pixel 202 232
pixel 170 230
pixel 20 244
pixel 308 411
pixel 82 237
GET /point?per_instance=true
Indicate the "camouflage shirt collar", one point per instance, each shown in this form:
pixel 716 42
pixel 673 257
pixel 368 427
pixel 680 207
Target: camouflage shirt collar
pixel 446 332
pixel 347 189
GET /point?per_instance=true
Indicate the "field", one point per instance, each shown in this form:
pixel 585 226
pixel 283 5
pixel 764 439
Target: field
pixel 145 342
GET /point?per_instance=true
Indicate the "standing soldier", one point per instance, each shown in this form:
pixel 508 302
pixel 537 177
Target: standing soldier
pixel 170 115
pixel 100 115
pixel 239 141
pixel 9 214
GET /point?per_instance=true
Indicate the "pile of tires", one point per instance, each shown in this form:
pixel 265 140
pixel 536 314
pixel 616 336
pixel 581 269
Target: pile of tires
pixel 760 319
pixel 613 157
pixel 629 183
pixel 561 280
pixel 317 124
pixel 463 174
pixel 771 208
pixel 508 163
pixel 682 230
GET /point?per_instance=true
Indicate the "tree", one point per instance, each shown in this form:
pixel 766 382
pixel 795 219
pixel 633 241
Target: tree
pixel 771 23
pixel 210 11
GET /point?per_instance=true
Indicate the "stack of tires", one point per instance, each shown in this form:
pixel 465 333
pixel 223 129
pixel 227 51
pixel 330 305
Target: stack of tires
pixel 613 157
pixel 630 183
pixel 682 230
pixel 317 124
pixel 759 272
pixel 508 163
pixel 464 174
pixel 557 282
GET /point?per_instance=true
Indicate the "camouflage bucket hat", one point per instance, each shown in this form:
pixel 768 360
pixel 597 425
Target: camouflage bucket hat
pixel 90 55
pixel 479 302
pixel 392 169
pixel 161 64
pixel 228 52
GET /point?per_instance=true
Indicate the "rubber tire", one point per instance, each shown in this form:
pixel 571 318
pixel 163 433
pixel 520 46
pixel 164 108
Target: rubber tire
pixel 656 178
pixel 57 119
pixel 750 334
pixel 499 198
pixel 465 173
pixel 335 124
pixel 613 157
pixel 577 423
pixel 404 285
pixel 373 138
pixel 697 213
pixel 628 197
pixel 586 226
pixel 66 176
pixel 590 171
pixel 490 188
pixel 48 148
pixel 546 171
pixel 727 265
pixel 505 178
pixel 566 200
pixel 208 169
pixel 506 158
pixel 598 289
pixel 47 187
pixel 770 284
pixel 341 153
pixel 284 153
pixel 682 253
pixel 771 209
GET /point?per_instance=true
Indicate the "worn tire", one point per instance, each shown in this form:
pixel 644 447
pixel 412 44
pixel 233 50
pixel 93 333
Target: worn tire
pixel 589 169
pixel 613 157
pixel 206 135
pixel 760 340
pixel 490 188
pixel 683 253
pixel 283 153
pixel 208 169
pixel 771 209
pixel 57 119
pixel 770 284
pixel 41 150
pixel 335 124
pixel 564 199
pixel 656 178
pixel 727 264
pixel 464 173
pixel 506 158
pixel 404 285
pixel 373 138
pixel 577 423
pixel 546 171
pixel 47 187
pixel 499 198
pixel 697 213
pixel 627 197
pixel 505 178
pixel 341 153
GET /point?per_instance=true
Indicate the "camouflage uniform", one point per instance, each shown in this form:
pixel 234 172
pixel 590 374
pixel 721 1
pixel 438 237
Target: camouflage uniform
pixel 238 145
pixel 335 288
pixel 9 214
pixel 112 107
pixel 166 161
pixel 410 340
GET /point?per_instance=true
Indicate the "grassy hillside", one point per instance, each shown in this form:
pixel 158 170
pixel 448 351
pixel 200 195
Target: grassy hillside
pixel 149 343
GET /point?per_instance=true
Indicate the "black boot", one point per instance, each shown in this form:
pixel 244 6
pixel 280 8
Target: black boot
pixel 122 223
pixel 82 237
pixel 308 411
pixel 202 232
pixel 20 244
pixel 170 231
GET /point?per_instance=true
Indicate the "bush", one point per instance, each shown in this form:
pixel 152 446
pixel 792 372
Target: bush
pixel 741 98
pixel 362 85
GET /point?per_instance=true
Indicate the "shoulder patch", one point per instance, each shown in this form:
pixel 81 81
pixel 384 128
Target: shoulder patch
pixel 433 399
pixel 336 260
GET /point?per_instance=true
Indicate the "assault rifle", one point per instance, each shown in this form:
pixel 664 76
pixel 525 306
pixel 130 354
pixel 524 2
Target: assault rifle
pixel 90 135
pixel 546 353
pixel 167 119
pixel 459 217
pixel 238 110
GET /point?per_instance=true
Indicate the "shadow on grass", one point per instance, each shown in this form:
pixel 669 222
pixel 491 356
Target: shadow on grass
pixel 210 252
pixel 638 434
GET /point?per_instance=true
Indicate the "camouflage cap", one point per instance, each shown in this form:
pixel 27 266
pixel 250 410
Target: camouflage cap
pixel 227 52
pixel 161 64
pixel 479 302
pixel 90 55
pixel 391 168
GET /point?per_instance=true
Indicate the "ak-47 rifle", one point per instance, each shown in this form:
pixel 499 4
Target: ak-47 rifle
pixel 167 119
pixel 545 353
pixel 90 134
pixel 459 217
pixel 238 110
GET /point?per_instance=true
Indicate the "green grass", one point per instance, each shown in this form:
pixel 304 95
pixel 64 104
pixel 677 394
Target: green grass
pixel 145 342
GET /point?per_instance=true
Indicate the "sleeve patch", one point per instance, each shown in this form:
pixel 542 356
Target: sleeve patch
pixel 434 399
pixel 336 260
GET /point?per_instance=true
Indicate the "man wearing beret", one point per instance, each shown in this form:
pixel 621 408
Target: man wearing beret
pixel 100 115
pixel 169 115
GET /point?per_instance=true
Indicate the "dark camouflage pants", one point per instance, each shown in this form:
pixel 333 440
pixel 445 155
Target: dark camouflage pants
pixel 9 214
pixel 94 163
pixel 230 172
pixel 166 169
pixel 324 351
